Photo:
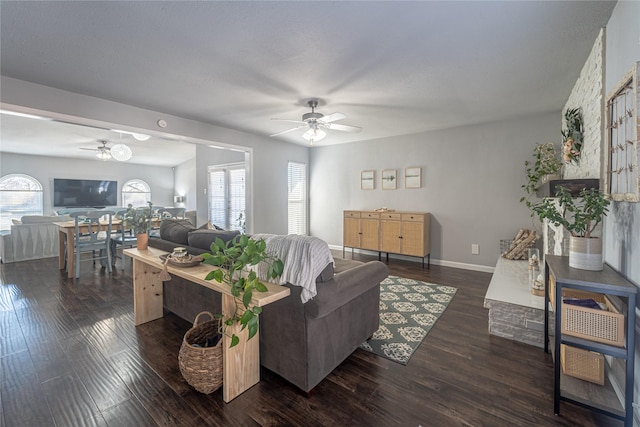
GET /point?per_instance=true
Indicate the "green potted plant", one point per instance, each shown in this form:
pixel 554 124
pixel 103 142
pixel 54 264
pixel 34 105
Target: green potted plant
pixel 546 166
pixel 580 216
pixel 572 136
pixel 235 259
pixel 139 220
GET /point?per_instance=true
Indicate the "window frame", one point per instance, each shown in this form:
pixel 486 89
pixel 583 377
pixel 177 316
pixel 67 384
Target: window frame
pixel 5 219
pixel 124 194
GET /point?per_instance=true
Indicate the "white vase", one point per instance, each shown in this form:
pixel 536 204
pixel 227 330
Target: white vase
pixel 585 253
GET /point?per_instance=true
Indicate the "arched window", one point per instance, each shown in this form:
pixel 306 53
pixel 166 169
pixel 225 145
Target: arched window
pixel 19 195
pixel 135 192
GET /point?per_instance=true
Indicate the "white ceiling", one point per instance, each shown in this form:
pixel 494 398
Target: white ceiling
pixel 392 67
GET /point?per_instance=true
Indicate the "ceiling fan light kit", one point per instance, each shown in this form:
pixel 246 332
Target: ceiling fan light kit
pixel 103 155
pixel 314 135
pixel 315 122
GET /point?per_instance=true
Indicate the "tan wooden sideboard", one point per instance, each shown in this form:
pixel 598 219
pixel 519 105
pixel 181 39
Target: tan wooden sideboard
pixel 403 233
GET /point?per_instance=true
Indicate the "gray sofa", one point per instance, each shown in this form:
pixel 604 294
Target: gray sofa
pixel 302 343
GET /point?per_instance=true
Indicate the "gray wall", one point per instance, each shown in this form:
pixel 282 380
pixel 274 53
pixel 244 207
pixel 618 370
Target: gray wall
pixel 45 169
pixel 269 156
pixel 622 225
pixel 184 183
pixel 471 178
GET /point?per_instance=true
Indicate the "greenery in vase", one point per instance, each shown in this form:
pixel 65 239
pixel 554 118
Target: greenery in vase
pixel 138 219
pixel 234 259
pixel 546 163
pixel 580 215
pixel 572 136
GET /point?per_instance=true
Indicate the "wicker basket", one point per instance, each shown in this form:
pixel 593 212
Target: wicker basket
pixel 201 367
pixel 605 326
pixel 582 364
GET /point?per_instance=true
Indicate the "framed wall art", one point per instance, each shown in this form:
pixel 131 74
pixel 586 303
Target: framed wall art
pixel 623 128
pixel 389 179
pixel 367 180
pixel 413 177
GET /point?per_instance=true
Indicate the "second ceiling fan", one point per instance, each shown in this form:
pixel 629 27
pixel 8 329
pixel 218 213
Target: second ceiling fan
pixel 316 122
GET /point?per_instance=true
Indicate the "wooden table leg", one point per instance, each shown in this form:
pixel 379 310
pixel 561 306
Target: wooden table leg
pixel 241 364
pixel 147 293
pixel 71 259
pixel 62 238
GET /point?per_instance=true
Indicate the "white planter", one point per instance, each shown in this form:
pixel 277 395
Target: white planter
pixel 585 254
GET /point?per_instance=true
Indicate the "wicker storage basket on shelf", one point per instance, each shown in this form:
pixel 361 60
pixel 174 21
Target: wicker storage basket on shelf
pixel 201 367
pixel 605 326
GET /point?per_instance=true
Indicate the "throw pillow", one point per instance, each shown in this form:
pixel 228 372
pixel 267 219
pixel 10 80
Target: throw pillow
pixel 16 222
pixel 209 226
pixel 202 239
pixel 176 230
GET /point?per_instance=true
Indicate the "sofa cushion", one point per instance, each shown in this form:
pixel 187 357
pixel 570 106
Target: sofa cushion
pixel 39 219
pixel 176 230
pixel 203 238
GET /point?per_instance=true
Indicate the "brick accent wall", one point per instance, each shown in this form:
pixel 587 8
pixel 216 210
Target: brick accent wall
pixel 588 94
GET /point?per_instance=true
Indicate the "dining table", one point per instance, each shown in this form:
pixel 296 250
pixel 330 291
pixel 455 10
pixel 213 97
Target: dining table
pixel 66 237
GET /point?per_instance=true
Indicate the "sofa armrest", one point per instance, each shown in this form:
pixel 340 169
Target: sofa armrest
pixel 344 287
pixel 6 247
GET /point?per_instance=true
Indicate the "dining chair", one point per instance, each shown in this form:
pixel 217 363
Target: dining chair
pixel 92 235
pixel 122 238
pixel 66 212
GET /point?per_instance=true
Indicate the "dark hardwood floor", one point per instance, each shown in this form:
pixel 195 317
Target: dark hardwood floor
pixel 70 356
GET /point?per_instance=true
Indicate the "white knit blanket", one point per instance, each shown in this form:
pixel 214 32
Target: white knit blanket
pixel 304 259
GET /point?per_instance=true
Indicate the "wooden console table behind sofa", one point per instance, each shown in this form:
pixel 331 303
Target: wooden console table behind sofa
pixel 241 364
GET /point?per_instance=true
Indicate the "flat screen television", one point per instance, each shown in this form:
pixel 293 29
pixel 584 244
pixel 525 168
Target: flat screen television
pixel 82 193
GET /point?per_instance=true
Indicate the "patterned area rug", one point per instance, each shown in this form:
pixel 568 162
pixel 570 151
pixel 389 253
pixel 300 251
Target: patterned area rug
pixel 408 310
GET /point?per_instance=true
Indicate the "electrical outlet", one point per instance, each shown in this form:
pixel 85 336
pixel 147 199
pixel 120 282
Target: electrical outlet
pixel 475 249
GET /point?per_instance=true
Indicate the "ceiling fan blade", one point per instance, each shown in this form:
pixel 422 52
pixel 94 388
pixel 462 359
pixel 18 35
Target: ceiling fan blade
pixel 91 149
pixel 290 121
pixel 344 128
pixel 289 130
pixel 332 117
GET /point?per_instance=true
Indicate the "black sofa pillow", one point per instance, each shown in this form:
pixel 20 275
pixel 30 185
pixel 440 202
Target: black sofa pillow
pixel 176 230
pixel 203 238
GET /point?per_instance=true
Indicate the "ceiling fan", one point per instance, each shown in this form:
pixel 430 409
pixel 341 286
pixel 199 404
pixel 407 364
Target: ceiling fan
pixel 316 122
pixel 120 152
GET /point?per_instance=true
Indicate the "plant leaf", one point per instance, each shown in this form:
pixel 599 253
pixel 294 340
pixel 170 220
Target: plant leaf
pixel 246 317
pixel 246 298
pixel 234 341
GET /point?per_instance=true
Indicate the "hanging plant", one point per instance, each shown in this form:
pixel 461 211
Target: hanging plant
pixel 572 136
pixel 546 164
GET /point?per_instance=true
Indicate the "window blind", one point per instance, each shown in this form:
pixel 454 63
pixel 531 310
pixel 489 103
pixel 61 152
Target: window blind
pixel 297 198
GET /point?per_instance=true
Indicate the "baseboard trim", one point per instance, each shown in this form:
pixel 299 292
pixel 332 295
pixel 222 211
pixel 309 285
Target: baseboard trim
pixel 443 263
